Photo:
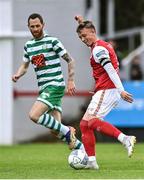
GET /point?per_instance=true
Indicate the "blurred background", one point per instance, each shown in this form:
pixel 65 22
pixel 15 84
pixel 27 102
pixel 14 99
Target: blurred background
pixel 119 22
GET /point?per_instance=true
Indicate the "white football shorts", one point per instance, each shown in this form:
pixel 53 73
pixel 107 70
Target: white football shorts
pixel 103 101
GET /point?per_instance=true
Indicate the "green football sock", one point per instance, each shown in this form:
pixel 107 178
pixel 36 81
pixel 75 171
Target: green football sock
pixel 50 122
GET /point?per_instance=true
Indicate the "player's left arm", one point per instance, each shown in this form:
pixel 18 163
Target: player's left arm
pixel 102 56
pixel 70 61
pixel 117 82
pixel 61 51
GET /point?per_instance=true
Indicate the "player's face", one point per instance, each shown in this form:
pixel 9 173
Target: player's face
pixel 87 36
pixel 36 28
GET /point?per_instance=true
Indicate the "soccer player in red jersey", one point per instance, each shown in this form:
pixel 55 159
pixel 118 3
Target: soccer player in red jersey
pixel 108 91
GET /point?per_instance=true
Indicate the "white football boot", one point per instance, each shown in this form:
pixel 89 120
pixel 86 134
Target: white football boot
pixel 92 165
pixel 129 142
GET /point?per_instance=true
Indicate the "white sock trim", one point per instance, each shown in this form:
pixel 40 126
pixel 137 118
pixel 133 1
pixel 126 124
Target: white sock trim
pixel 121 137
pixel 92 158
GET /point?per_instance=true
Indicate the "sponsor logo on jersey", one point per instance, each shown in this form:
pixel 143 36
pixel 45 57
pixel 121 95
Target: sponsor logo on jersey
pixel 101 53
pixel 38 60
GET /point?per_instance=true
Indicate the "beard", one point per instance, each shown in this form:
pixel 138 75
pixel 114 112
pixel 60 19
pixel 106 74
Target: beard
pixel 38 34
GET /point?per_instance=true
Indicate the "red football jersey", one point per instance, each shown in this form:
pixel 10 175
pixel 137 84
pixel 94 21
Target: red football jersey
pixel 102 53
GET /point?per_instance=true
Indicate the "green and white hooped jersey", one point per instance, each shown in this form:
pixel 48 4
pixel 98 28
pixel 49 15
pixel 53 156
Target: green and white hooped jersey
pixel 44 54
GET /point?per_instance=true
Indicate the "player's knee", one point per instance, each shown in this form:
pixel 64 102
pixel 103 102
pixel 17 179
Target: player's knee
pixel 33 117
pixel 88 116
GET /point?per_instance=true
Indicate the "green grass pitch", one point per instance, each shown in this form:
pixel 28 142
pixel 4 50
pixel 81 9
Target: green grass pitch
pixel 49 161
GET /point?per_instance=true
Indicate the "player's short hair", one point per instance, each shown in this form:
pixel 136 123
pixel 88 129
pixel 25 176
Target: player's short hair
pixel 35 15
pixel 85 24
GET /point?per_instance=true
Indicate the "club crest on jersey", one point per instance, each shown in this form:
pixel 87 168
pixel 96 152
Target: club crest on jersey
pixel 45 95
pixel 101 53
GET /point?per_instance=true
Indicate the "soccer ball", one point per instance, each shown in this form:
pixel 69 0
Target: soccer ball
pixel 78 159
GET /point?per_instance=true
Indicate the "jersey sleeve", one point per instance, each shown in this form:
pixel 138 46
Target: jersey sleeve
pixel 58 47
pixel 25 55
pixel 101 55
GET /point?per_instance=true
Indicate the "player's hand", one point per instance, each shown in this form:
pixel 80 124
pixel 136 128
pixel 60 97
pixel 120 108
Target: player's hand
pixel 71 87
pixel 79 19
pixel 15 78
pixel 127 96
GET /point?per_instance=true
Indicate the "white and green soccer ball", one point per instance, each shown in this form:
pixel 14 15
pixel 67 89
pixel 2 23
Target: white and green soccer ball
pixel 78 159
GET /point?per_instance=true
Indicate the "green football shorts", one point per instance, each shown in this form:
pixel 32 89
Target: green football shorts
pixel 52 97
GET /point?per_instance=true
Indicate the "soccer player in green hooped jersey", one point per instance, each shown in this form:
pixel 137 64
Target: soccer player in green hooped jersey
pixel 44 53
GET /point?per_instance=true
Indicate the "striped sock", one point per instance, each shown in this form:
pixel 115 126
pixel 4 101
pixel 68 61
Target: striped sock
pixel 79 145
pixel 62 137
pixel 50 122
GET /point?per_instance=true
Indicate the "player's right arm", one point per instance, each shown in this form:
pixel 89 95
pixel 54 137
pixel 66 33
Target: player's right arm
pixel 79 19
pixel 21 71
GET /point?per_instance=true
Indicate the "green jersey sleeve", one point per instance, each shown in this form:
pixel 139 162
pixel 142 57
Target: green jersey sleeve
pixel 58 47
pixel 25 55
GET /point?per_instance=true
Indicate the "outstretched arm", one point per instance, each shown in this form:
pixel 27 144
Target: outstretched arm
pixel 20 72
pixel 71 84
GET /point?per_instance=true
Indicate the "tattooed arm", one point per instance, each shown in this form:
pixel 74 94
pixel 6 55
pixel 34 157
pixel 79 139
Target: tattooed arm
pixel 70 62
pixel 71 84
